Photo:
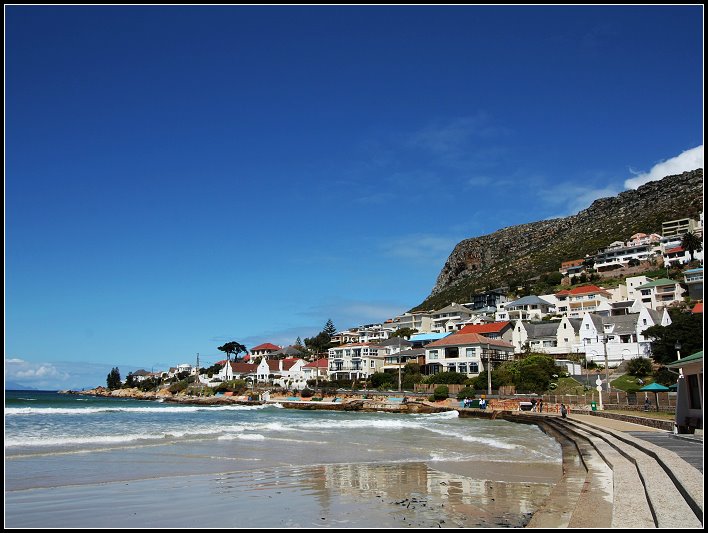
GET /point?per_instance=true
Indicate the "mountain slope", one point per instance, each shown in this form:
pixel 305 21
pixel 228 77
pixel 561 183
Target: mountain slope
pixel 528 250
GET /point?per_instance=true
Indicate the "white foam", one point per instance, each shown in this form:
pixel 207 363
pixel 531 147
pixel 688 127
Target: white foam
pixel 15 411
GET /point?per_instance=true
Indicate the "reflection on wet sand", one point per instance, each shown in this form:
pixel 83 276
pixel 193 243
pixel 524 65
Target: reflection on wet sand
pixel 410 493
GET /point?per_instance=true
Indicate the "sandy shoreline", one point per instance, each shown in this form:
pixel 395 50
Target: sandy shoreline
pixel 365 495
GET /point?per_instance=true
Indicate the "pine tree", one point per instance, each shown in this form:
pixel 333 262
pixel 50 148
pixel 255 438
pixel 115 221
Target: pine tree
pixel 298 342
pixel 113 379
pixel 329 328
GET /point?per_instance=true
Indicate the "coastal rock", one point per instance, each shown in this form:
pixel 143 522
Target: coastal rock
pixel 163 393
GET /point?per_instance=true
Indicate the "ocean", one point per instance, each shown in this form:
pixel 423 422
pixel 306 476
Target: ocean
pixel 84 461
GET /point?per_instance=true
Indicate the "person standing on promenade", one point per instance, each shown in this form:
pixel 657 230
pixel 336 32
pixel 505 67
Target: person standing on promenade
pixel 564 411
pixel 533 405
pixel 540 405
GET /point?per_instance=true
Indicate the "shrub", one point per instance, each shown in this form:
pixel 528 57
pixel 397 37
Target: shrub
pixel 467 392
pixel 306 393
pixel 178 387
pixel 441 392
pixel 639 366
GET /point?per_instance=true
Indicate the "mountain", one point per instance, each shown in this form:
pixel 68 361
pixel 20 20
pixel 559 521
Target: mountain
pixel 13 385
pixel 528 250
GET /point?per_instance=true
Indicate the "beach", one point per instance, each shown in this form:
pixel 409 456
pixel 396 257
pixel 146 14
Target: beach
pixel 72 462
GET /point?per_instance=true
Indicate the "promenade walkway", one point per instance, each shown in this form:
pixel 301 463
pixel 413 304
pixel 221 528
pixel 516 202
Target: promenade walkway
pixel 621 474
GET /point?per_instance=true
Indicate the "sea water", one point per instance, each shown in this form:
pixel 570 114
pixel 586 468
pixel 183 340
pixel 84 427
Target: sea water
pixel 85 461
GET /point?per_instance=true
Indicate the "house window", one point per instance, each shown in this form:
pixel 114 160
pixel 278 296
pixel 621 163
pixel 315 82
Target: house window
pixel 644 321
pixel 463 368
pixel 474 368
pixel 452 352
pixel 373 364
pixel 470 353
pixel 433 354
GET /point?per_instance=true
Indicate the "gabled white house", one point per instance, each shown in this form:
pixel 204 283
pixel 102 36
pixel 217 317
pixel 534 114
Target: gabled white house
pixel 619 336
pixel 287 373
pixel 554 337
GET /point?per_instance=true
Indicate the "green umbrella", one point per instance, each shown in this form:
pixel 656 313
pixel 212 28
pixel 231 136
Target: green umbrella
pixel 656 388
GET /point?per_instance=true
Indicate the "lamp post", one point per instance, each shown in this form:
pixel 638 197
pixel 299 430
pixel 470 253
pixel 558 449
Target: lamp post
pixel 677 346
pixel 399 364
pixel 489 372
pixel 607 364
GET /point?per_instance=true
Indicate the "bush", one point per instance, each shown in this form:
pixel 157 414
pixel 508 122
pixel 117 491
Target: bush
pixel 178 387
pixel 467 392
pixel 639 366
pixel 441 392
pixel 306 393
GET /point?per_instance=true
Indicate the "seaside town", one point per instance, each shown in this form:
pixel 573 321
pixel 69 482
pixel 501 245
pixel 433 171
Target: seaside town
pixel 598 320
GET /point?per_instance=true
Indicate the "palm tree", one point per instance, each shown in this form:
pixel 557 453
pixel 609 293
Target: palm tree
pixel 691 243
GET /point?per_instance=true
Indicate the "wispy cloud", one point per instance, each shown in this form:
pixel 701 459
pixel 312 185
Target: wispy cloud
pixel 688 160
pixel 348 312
pixel 421 247
pixel 455 135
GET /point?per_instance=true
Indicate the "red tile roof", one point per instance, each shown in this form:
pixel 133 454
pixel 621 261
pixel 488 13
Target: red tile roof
pixel 320 363
pixel 242 368
pixel 459 339
pixel 674 250
pixel 266 346
pixel 493 327
pixel 585 289
pixel 287 363
pixel 698 308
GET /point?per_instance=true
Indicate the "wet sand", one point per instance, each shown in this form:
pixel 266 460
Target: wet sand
pixel 438 494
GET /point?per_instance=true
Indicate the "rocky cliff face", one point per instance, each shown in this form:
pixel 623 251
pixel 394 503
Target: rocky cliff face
pixel 528 250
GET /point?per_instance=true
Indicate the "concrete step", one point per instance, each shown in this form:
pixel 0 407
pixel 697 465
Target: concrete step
pixel 670 495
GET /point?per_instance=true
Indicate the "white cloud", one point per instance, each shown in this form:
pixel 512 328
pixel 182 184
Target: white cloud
pixel 688 160
pixel 25 370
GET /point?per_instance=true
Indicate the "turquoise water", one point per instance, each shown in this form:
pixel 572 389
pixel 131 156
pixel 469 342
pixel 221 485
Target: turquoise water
pixel 65 444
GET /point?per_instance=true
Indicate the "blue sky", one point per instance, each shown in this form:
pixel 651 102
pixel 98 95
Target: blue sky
pixel 178 177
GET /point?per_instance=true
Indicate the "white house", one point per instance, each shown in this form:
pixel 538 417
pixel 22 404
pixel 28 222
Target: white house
pixel 465 353
pixel 354 361
pixel 528 308
pixel 287 373
pixel 232 370
pixel 553 337
pixel 621 337
pixel 420 320
pixel 447 318
pixel 574 303
pixel 660 293
pixel 318 369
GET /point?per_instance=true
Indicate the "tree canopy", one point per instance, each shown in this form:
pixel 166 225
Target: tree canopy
pixel 234 348
pixel 685 328
pixel 113 379
pixel 691 243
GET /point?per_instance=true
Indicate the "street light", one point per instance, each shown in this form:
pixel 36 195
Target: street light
pixel 399 364
pixel 677 346
pixel 607 364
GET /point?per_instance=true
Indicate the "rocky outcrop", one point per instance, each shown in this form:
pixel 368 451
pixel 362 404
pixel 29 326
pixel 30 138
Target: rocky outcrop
pixel 527 250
